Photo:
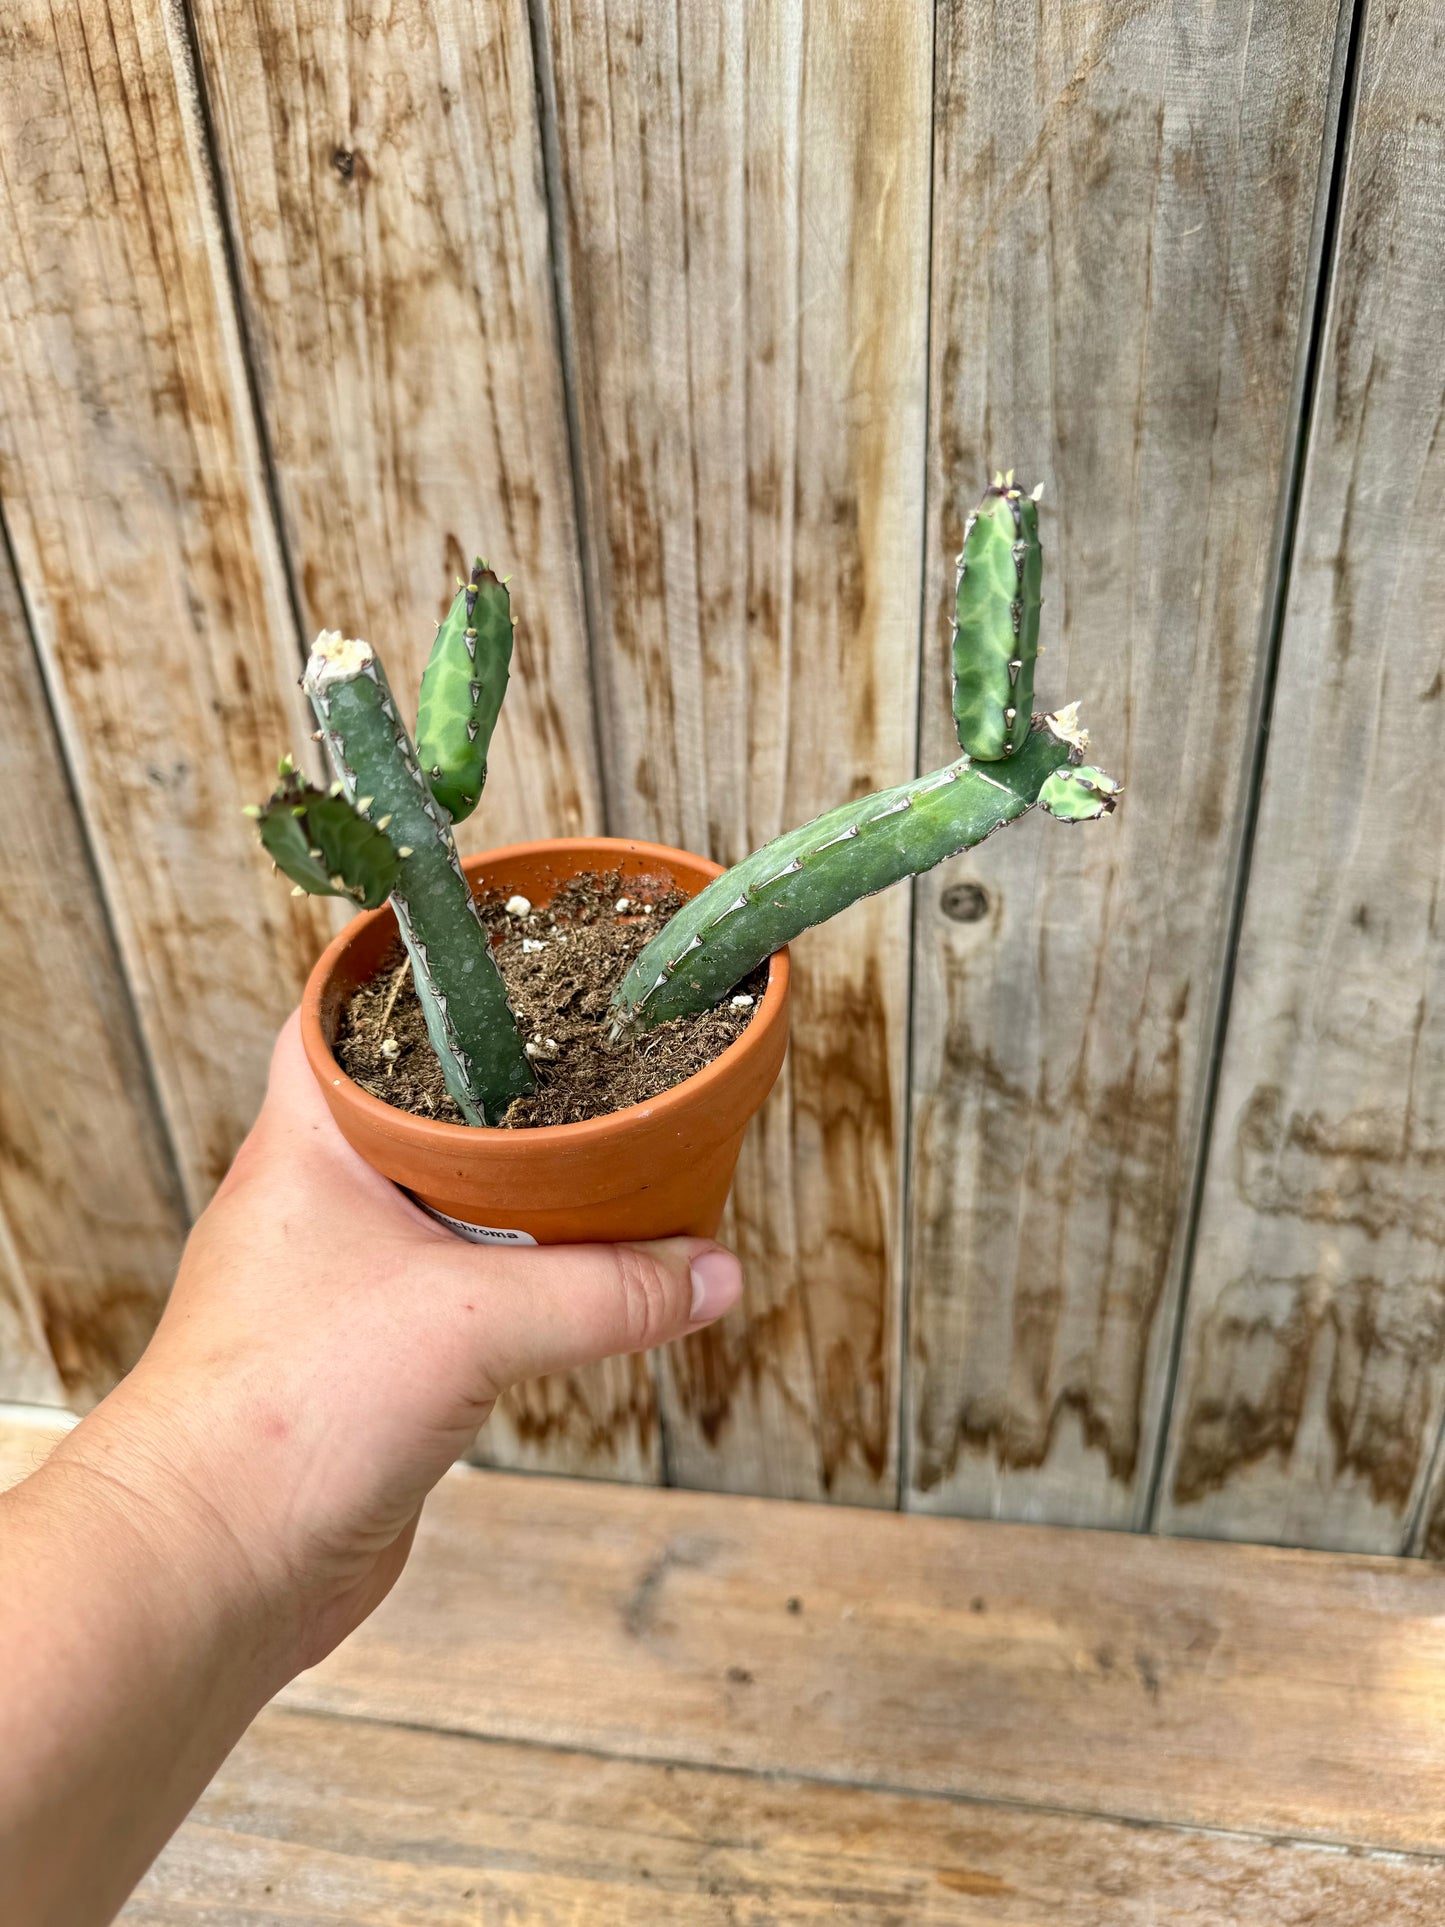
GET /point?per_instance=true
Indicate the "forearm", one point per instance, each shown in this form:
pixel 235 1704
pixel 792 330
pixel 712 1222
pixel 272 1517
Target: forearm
pixel 248 1494
pixel 136 1651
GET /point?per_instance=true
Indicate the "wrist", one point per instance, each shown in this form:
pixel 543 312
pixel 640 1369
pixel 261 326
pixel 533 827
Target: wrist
pixel 139 1645
pixel 140 1483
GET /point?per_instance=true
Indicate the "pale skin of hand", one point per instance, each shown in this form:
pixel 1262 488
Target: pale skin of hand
pixel 249 1493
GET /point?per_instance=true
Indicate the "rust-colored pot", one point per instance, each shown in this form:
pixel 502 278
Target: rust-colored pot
pixel 650 1171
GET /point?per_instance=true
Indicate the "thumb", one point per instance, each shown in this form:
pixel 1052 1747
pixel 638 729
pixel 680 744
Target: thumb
pixel 556 1306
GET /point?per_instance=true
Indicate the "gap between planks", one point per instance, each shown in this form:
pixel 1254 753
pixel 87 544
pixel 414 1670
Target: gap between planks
pixel 318 1819
pixel 644 1603
pixel 784 1776
pixel 1247 1689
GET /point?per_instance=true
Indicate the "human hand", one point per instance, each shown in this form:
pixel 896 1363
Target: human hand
pixel 329 1351
pixel 249 1493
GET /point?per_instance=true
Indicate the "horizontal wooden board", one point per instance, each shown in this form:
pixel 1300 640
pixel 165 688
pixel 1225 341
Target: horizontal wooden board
pixel 1312 1385
pixel 135 497
pixel 317 1821
pixel 743 252
pixel 1157 1680
pixel 647 1725
pixel 91 1218
pixel 1124 202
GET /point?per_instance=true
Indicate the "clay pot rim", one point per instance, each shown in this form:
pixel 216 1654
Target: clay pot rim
pixel 423 1132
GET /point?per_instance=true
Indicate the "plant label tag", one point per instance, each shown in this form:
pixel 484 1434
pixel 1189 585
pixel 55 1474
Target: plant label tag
pixel 477 1234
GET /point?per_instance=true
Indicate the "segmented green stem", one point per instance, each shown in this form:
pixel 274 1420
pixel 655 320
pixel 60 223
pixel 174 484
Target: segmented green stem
pixel 1080 795
pixel 996 622
pixel 324 843
pixel 462 689
pixel 813 872
pixel 468 1018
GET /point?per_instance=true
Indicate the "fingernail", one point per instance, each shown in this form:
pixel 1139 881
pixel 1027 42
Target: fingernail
pixel 717 1283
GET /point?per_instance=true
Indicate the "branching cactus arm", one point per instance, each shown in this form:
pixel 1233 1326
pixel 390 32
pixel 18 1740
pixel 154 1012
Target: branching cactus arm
pixel 996 622
pixel 469 1020
pixel 324 844
pixel 1012 760
pixel 813 872
pixel 462 689
pixel 1079 795
pixel 386 828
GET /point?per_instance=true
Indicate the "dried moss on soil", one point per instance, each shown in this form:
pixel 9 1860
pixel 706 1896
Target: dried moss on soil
pixel 561 993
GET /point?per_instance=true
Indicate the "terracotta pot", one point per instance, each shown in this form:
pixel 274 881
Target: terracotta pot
pixel 649 1171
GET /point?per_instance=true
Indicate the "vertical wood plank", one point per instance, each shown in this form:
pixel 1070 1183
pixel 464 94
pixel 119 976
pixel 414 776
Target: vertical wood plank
pixel 384 172
pixel 1313 1375
pixel 91 1222
pixel 383 169
pixel 746 242
pixel 27 1370
pixel 1124 198
pixel 134 489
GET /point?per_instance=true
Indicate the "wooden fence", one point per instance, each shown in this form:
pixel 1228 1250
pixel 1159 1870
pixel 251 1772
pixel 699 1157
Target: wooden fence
pixel 1104 1182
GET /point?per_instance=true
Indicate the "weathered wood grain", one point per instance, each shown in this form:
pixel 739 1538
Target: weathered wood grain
pixel 27 1370
pixel 320 1820
pixel 29 1433
pixel 1153 1679
pixel 383 170
pixel 744 254
pixel 600 1422
pixel 135 496
pixel 1124 197
pixel 1313 1376
pixel 91 1221
pixel 643 1657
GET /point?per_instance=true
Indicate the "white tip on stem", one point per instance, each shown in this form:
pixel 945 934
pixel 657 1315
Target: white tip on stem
pixel 337 658
pixel 1067 728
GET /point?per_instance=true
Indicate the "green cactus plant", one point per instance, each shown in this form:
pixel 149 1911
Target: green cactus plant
pixel 996 621
pixel 468 1019
pixel 325 846
pixel 462 688
pixel 812 873
pixel 385 828
pixel 1012 760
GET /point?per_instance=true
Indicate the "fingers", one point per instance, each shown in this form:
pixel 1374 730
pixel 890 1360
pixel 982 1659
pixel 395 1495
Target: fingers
pixel 556 1306
pixel 532 1311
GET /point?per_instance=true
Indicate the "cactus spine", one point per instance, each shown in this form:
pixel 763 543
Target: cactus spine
pixel 468 1019
pixel 996 621
pixel 462 689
